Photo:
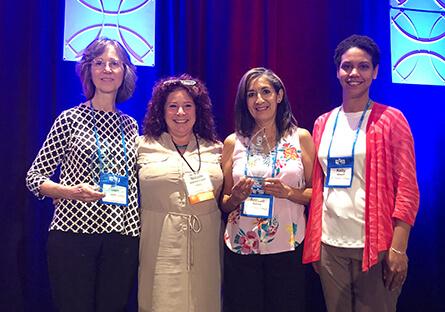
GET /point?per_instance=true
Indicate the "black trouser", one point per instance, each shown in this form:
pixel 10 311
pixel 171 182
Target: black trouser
pixel 259 283
pixel 91 272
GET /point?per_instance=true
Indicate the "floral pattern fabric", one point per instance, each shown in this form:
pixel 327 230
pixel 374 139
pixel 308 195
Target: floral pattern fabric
pixel 284 231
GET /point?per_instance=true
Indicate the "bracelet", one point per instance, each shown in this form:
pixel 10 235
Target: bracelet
pixel 398 251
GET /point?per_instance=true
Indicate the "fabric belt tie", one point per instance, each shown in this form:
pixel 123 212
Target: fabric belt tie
pixel 191 224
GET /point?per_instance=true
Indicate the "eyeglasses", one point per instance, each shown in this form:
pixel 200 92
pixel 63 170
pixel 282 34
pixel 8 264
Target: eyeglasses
pixel 184 82
pixel 101 64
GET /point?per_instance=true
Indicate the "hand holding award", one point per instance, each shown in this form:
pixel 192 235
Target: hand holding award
pixel 260 161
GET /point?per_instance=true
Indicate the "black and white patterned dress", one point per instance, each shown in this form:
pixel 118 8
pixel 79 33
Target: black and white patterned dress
pixel 71 143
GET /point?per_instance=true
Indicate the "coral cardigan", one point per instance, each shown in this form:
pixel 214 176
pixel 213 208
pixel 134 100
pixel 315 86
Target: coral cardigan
pixel 391 184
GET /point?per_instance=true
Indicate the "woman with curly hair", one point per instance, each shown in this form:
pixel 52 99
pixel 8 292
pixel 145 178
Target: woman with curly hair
pixel 180 180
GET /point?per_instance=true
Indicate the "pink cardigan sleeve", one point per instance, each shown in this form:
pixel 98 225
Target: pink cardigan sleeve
pixel 391 184
pixel 404 171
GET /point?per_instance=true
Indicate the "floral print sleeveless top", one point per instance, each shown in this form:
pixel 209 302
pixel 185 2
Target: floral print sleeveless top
pixel 285 230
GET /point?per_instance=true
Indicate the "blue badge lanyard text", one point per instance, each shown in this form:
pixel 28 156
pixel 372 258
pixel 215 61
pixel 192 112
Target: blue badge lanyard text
pixel 101 165
pixel 362 117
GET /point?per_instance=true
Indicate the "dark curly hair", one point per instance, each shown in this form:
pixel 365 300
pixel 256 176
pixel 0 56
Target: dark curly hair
pixel 244 122
pixel 154 121
pixel 97 48
pixel 357 41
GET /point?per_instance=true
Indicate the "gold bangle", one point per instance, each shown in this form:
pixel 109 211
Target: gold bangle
pixel 398 251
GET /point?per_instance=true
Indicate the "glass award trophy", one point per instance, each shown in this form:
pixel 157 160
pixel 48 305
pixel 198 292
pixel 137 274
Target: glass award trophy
pixel 259 164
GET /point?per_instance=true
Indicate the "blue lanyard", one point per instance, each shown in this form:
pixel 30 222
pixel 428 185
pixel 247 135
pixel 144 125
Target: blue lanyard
pixel 101 165
pixel 274 160
pixel 356 132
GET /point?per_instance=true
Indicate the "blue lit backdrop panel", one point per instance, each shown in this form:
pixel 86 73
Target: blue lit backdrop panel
pixel 132 23
pixel 418 41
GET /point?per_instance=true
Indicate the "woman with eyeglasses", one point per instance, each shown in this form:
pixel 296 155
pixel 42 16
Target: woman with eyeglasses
pixel 180 180
pixel 365 195
pixel 267 166
pixel 93 237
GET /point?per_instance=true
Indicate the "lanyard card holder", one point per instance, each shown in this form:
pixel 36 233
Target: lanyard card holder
pixel 115 188
pixel 198 186
pixel 340 172
pixel 258 204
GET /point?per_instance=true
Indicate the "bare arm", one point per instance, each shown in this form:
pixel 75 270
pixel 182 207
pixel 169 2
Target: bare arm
pixel 232 195
pixel 396 261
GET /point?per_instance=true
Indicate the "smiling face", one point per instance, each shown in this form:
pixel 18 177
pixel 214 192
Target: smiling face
pixel 356 73
pixel 262 100
pixel 107 72
pixel 180 115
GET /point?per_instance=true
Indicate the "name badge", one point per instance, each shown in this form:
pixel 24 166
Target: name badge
pixel 115 188
pixel 258 206
pixel 340 172
pixel 198 186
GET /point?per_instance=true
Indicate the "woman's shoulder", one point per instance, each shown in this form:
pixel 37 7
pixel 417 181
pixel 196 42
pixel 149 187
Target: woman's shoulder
pixel 303 133
pixel 128 119
pixel 382 114
pixel 211 146
pixel 145 140
pixel 323 117
pixel 296 131
pixel 207 142
pixel 235 139
pixel 149 148
pixel 297 134
pixel 386 109
pixel 306 141
pixel 81 110
pixel 76 113
pixel 230 139
pixel 229 144
pixel 321 121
